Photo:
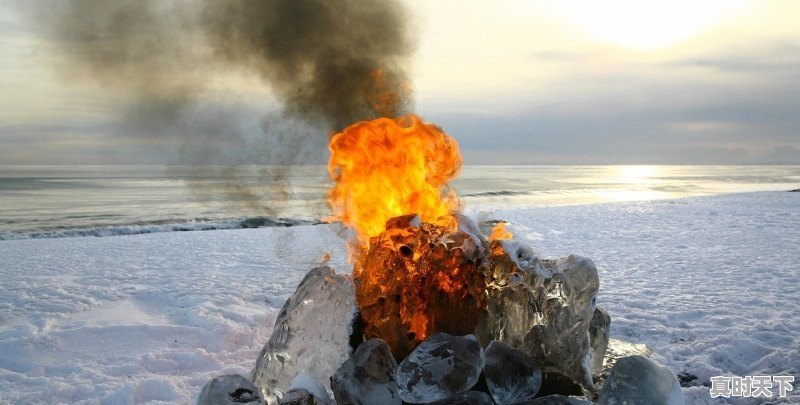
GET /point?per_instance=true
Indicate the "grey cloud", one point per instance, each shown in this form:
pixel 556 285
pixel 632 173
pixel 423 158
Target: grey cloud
pixel 746 64
pixel 756 57
pixel 781 154
pixel 684 122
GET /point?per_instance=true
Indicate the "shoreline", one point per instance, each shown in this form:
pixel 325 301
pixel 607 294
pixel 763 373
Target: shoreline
pixel 205 224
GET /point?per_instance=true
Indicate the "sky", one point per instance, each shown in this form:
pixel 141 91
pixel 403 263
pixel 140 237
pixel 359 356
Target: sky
pixel 515 82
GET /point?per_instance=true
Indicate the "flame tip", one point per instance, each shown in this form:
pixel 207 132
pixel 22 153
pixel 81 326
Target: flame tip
pixel 390 167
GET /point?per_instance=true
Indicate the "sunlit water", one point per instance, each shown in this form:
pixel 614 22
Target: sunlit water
pixel 38 201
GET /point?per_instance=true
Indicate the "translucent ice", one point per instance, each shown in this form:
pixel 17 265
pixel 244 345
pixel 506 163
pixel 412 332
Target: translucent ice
pixel 511 375
pixel 556 400
pixel 599 330
pixel 311 333
pixel 639 380
pixel 229 389
pixel 368 377
pixel 306 389
pixel 466 398
pixel 440 367
pixel 543 308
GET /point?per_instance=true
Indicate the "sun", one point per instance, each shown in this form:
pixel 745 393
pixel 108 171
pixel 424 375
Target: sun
pixel 647 25
pixel 638 173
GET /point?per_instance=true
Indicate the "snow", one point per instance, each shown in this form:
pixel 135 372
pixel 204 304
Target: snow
pixel 144 318
pixel 303 381
pixel 710 284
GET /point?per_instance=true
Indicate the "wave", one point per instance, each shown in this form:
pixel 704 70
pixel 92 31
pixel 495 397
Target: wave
pixel 154 227
pixel 503 193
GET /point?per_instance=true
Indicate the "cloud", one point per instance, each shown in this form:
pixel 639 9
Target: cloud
pixel 718 104
pixel 534 92
pixel 782 154
pixel 763 58
pixel 689 121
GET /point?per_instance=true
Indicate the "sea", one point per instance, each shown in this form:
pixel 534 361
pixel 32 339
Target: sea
pixel 81 201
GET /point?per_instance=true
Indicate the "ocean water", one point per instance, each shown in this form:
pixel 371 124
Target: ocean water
pixel 64 201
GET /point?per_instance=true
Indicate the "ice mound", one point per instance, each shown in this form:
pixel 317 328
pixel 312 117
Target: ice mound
pixel 543 307
pixel 311 334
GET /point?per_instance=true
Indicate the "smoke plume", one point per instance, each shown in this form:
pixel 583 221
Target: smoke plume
pixel 170 65
pixel 340 61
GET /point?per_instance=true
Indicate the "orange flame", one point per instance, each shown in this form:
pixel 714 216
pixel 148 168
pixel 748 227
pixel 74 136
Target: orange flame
pixel 499 232
pixel 384 94
pixel 385 168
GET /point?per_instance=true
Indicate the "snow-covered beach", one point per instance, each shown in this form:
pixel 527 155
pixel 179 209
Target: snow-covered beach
pixel 710 284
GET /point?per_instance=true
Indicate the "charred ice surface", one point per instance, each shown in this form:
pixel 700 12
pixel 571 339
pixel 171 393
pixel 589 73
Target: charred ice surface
pixel 311 334
pixel 417 278
pixel 542 307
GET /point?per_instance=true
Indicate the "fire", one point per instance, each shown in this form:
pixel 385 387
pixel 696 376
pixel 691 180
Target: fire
pixel 499 232
pixel 386 168
pixel 418 278
pixel 416 270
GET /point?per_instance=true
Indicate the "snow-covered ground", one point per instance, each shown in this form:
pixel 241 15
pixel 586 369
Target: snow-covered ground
pixel 709 283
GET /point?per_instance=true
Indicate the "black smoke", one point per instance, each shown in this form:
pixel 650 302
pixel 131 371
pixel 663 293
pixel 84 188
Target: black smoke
pixel 328 64
pixel 337 61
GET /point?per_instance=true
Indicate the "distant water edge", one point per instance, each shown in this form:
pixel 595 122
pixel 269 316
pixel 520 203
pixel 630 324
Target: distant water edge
pixel 74 201
pixel 136 229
